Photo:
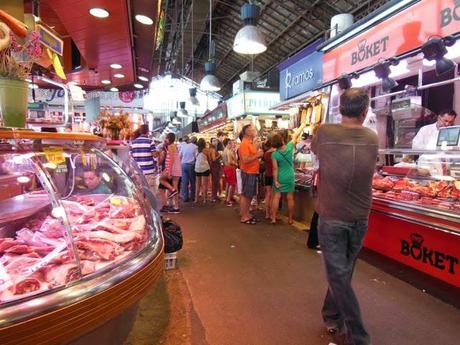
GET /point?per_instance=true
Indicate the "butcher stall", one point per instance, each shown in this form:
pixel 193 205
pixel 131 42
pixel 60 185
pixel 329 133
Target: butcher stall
pixel 80 240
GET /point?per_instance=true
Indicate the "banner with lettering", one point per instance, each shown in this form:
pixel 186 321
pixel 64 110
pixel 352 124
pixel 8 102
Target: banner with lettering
pixel 403 32
pixel 302 72
pixel 424 248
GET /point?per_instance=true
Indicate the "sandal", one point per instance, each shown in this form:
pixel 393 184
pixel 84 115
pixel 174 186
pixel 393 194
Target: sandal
pixel 248 222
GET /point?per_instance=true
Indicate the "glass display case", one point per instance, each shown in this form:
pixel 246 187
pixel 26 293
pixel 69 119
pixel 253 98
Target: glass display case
pixel 72 222
pixel 425 182
pixel 305 163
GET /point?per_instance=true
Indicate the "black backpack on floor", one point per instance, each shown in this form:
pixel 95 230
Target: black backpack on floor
pixel 172 234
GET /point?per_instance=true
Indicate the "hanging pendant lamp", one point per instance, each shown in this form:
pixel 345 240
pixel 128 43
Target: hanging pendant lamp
pixel 249 40
pixel 210 81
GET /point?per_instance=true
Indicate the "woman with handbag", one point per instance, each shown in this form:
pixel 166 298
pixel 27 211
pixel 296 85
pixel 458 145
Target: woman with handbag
pixel 283 172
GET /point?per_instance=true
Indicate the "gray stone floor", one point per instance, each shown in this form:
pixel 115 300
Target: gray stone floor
pixel 260 285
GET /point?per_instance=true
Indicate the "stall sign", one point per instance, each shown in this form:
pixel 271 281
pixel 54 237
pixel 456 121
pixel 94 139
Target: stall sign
pixel 235 106
pixel 423 248
pixel 259 103
pixel 213 118
pixel 405 31
pixel 50 40
pixel 301 73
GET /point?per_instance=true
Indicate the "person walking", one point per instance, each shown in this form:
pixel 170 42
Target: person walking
pixel 347 154
pixel 249 155
pixel 230 164
pixel 142 150
pixel 202 171
pixel 268 178
pixel 216 169
pixel 173 171
pixel 188 153
pixel 283 171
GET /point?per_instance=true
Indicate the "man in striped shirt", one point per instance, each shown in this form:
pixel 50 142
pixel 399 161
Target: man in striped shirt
pixel 142 151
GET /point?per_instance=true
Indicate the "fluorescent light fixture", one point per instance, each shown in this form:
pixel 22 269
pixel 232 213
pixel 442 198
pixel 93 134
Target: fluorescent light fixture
pixel 138 86
pixel 105 82
pixel 454 51
pixel 366 79
pixel 119 75
pixel 367 24
pixel 141 77
pixel 399 70
pixel 116 66
pixel 144 19
pixel 99 12
pixel 114 89
pixel 428 63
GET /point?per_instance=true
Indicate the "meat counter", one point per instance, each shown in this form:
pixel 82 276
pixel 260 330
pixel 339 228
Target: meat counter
pixel 415 216
pixel 80 242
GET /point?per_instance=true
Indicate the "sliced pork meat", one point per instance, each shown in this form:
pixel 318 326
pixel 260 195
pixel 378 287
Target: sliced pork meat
pixel 106 250
pixel 57 275
pixel 118 238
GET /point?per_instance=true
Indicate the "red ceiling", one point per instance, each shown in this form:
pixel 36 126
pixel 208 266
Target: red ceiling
pixel 100 41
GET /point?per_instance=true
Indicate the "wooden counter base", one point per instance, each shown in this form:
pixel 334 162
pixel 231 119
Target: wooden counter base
pixel 63 325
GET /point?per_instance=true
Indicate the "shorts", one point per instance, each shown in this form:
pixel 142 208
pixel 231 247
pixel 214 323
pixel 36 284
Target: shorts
pixel 206 173
pixel 230 175
pixel 249 182
pixel 268 181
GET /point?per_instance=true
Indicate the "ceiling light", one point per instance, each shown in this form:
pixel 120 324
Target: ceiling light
pixel 435 50
pixel 144 19
pixel 383 71
pixel 249 40
pixel 23 179
pixel 116 66
pixel 119 75
pixel 114 89
pixel 99 12
pixel 141 77
pixel 105 82
pixel 193 99
pixel 210 81
pixel 138 86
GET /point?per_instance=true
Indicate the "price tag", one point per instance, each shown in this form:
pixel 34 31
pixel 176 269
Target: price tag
pixel 54 154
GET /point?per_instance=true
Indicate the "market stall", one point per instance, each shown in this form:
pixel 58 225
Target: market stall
pixel 80 241
pixel 214 121
pixel 306 100
pixel 254 106
pixel 411 74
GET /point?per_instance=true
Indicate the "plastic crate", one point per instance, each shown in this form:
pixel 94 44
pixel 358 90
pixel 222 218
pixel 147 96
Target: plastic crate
pixel 170 260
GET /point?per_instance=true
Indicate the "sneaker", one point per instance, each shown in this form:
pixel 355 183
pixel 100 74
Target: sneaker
pixel 172 194
pixel 174 210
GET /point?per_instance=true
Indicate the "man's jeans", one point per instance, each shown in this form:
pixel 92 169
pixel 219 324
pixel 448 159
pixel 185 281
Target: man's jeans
pixel 340 243
pixel 188 177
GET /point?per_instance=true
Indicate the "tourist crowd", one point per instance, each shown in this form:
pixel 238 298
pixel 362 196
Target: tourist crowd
pixel 222 169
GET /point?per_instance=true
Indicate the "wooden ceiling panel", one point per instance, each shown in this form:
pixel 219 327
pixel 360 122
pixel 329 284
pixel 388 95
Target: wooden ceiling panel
pixel 101 41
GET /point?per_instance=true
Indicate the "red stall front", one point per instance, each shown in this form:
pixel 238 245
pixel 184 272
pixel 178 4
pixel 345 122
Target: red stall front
pixel 415 217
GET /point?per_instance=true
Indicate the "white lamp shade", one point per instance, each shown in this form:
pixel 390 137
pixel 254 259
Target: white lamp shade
pixel 210 83
pixel 249 40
